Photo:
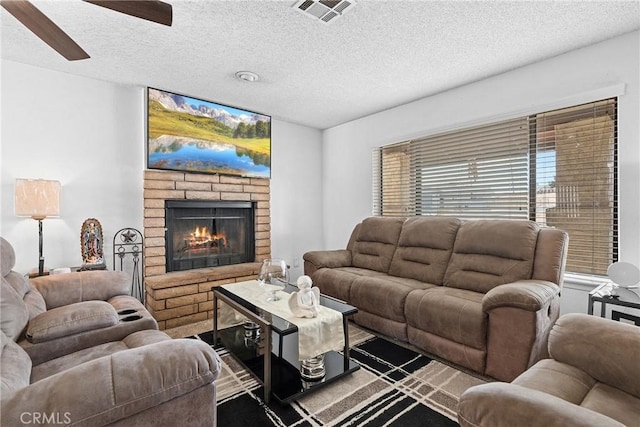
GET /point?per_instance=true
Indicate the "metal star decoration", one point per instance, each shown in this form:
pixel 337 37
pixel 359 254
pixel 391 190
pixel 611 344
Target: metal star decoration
pixel 128 236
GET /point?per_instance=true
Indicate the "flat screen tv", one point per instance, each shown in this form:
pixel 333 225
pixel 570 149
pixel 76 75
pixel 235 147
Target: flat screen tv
pixel 194 135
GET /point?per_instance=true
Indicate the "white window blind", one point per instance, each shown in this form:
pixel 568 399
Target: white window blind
pixel 392 184
pixel 557 168
pixel 575 168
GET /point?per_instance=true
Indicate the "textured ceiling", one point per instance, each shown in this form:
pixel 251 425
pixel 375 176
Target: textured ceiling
pixel 380 54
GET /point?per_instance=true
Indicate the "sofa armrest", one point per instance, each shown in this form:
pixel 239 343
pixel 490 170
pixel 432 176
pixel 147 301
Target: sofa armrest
pixel 114 387
pixel 328 259
pixel 70 320
pixel 530 295
pixel 575 337
pixel 502 404
pixel 521 315
pixel 63 289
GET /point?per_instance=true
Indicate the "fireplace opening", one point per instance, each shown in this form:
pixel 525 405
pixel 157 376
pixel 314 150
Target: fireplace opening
pixel 203 234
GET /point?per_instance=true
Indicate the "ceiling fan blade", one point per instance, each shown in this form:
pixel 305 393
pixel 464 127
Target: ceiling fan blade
pixel 155 11
pixel 43 27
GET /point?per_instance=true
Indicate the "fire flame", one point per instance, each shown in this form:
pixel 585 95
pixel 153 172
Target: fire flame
pixel 202 235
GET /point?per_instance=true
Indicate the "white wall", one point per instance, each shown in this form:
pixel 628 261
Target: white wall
pixel 296 193
pixel 89 134
pixel 605 69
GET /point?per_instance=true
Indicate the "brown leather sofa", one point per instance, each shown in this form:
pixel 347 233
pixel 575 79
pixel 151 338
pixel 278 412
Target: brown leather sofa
pixel 482 294
pixel 77 349
pixel 592 379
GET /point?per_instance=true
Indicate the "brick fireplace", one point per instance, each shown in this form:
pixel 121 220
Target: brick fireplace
pixel 208 233
pixel 181 297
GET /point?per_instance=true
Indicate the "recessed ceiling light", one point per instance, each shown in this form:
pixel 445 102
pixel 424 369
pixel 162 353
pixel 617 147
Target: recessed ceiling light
pixel 247 76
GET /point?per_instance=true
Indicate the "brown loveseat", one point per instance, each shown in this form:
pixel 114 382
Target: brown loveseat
pixel 77 350
pixel 592 379
pixel 482 294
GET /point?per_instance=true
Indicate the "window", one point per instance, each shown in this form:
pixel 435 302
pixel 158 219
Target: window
pixel 557 168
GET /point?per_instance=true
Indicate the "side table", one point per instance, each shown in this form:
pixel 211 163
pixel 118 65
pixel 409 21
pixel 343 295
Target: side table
pixel 609 293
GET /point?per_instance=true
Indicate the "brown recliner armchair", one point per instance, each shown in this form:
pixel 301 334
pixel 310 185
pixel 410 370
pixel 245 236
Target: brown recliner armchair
pixel 69 355
pixel 592 379
pixel 68 312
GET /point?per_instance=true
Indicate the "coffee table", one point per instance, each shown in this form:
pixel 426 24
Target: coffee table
pixel 279 376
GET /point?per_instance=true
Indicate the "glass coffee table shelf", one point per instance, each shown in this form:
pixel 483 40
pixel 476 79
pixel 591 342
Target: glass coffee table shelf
pixel 280 377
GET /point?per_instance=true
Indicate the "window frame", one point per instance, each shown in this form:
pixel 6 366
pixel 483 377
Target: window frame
pixel 610 109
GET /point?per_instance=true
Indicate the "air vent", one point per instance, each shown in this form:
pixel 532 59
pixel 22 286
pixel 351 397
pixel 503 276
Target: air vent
pixel 324 10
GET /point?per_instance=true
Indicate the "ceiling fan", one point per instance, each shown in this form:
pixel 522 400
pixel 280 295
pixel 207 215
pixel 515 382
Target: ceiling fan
pixel 44 28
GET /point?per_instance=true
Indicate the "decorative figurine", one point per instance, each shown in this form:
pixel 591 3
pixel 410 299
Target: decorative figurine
pixel 305 302
pixel 91 245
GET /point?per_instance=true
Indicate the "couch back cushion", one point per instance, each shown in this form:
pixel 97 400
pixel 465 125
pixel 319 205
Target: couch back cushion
pixel 354 237
pixel 488 253
pixel 424 248
pixel 551 255
pixel 7 256
pixel 63 289
pixel 14 314
pixel 376 242
pixel 25 299
pixel 16 367
pixel 30 296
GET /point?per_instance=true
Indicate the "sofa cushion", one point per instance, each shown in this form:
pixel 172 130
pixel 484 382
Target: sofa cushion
pixel 30 296
pixel 613 403
pixel 454 314
pixel 63 289
pixel 129 322
pixel 424 248
pixel 576 386
pixel 18 282
pixel 13 312
pixel 558 379
pixel 616 362
pixel 376 242
pixel 35 303
pixel 16 367
pixel 336 282
pixel 70 320
pixel 489 253
pixel 503 404
pixel 384 295
pixel 61 364
pixel 7 257
pixel 329 259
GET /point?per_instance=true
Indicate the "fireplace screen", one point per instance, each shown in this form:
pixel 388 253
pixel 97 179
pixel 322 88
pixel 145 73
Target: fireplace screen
pixel 208 234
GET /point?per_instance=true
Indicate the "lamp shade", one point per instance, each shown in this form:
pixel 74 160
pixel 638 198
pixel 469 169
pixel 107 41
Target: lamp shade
pixel 37 198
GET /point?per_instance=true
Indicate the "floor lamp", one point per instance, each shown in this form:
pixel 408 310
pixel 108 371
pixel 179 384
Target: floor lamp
pixel 38 199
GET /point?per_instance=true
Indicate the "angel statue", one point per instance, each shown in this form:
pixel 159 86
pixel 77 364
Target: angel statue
pixel 305 301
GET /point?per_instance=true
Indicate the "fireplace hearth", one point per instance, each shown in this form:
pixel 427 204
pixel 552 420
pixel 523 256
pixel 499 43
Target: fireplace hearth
pixel 203 234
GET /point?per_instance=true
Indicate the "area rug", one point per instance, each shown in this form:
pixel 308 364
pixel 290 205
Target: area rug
pixel 395 386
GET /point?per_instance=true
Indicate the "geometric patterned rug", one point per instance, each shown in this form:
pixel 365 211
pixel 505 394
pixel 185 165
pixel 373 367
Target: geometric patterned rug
pixel 395 386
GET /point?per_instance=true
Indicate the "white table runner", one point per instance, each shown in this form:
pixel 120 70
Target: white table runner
pixel 315 336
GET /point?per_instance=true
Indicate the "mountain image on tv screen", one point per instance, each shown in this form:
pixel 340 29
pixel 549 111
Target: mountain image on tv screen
pixel 193 135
